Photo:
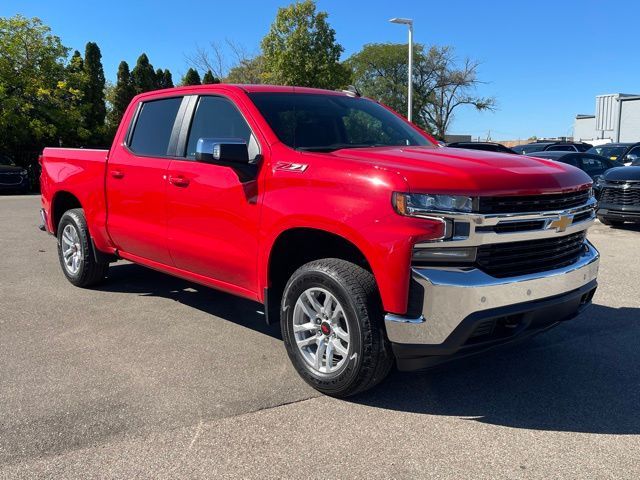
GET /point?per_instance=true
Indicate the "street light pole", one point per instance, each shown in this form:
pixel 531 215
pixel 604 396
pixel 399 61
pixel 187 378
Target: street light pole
pixel 409 23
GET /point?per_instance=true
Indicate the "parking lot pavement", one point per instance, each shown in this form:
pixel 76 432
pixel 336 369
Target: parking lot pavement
pixel 153 377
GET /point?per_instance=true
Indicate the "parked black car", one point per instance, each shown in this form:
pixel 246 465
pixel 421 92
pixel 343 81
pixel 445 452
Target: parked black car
pixel 619 199
pixel 13 179
pixel 625 153
pixel 531 148
pixel 486 146
pixel 592 165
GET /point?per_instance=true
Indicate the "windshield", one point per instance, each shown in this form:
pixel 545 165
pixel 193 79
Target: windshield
pixel 608 151
pixel 4 160
pixel 317 122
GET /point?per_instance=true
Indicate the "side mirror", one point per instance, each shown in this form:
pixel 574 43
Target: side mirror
pixel 222 151
pixel 632 157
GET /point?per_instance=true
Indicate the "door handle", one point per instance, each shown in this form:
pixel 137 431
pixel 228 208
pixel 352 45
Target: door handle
pixel 117 174
pixel 178 181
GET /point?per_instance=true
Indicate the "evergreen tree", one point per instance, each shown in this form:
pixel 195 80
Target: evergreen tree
pixel 209 78
pixel 143 75
pixel 168 79
pixel 163 78
pixel 191 78
pixel 123 92
pixel 93 99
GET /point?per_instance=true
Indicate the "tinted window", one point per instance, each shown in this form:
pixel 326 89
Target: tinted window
pixel 570 159
pixel 152 132
pixel 329 122
pixel 561 148
pixel 593 165
pixel 612 152
pixel 217 117
pixel 527 149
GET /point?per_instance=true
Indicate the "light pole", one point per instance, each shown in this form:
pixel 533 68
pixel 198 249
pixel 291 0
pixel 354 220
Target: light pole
pixel 409 22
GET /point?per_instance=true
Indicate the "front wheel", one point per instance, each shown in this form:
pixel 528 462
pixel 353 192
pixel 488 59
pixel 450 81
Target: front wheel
pixel 75 252
pixel 331 320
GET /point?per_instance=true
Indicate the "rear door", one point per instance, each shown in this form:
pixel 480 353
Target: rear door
pixel 136 180
pixel 212 216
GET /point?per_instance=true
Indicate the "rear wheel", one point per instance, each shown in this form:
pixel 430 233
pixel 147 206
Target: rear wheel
pixel 75 252
pixel 611 223
pixel 331 321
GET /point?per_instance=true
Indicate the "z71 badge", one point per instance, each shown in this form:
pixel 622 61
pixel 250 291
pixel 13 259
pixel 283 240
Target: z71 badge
pixel 291 167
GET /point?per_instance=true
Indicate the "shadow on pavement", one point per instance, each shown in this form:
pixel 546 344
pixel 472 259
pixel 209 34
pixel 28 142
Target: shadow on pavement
pixel 131 278
pixel 582 376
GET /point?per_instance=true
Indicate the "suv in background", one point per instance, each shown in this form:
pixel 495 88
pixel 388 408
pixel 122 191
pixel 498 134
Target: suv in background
pixel 625 153
pixel 530 148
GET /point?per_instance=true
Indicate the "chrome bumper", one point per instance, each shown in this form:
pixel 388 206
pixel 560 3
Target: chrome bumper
pixel 451 295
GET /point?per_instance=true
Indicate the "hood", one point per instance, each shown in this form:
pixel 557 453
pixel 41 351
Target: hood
pixel 471 172
pixel 10 169
pixel 622 173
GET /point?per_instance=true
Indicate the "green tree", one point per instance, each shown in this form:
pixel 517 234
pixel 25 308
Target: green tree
pixel 143 76
pixel 247 71
pixel 93 99
pixel 76 81
pixel 440 84
pixel 191 78
pixel 120 96
pixel 301 49
pixel 209 78
pixel 34 94
pixel 164 78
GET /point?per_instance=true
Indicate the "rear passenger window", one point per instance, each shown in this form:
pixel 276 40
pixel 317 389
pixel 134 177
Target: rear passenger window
pixel 152 131
pixel 217 117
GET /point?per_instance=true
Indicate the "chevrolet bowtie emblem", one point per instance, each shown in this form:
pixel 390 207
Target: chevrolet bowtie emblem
pixel 562 222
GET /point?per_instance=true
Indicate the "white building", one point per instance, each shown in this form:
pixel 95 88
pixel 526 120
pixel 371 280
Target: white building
pixel 617 119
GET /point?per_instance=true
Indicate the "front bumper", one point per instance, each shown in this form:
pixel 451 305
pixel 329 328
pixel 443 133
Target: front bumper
pixel 456 302
pixel 620 213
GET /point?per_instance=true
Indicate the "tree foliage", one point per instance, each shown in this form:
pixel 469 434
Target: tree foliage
pixel 301 49
pixel 35 97
pixel 440 84
pixel 94 107
pixel 143 76
pixel 209 78
pixel 192 77
pixel 120 96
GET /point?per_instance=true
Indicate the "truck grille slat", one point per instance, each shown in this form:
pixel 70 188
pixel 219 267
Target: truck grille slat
pixel 520 258
pixel 539 203
pixel 626 197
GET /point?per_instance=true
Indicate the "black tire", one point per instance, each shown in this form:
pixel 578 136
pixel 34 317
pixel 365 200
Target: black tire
pixel 89 272
pixel 611 223
pixel 369 357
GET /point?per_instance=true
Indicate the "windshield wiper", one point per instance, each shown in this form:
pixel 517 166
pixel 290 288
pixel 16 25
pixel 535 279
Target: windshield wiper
pixel 339 146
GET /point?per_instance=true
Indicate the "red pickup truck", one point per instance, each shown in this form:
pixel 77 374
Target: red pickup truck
pixel 367 241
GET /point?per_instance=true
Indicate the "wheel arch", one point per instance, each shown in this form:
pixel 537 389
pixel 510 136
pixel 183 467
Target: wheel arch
pixel 289 251
pixel 62 202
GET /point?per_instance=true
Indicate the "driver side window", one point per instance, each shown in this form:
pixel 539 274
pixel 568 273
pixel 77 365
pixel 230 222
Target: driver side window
pixel 217 117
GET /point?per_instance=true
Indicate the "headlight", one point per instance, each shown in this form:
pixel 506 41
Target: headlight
pixel 418 204
pixel 23 172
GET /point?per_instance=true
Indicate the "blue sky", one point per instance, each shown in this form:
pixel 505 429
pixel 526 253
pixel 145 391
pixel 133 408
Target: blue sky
pixel 544 61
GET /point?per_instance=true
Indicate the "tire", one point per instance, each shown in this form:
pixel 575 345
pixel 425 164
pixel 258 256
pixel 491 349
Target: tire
pixel 611 223
pixel 346 367
pixel 75 251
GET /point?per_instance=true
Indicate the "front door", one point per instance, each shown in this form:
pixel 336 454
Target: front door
pixel 212 217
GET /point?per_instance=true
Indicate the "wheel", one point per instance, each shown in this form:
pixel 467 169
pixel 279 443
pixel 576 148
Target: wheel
pixel 331 320
pixel 75 253
pixel 611 223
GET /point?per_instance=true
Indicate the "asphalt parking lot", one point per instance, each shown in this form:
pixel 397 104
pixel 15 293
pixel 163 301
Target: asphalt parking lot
pixel 153 377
